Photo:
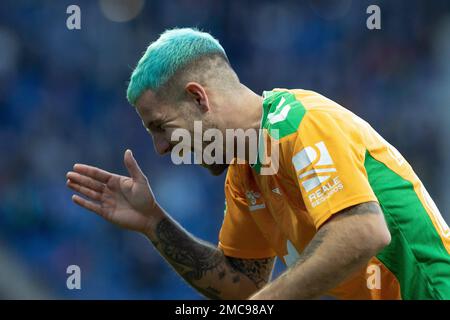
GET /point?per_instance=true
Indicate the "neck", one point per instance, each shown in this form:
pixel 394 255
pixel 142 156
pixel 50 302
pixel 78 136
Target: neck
pixel 248 110
pixel 247 113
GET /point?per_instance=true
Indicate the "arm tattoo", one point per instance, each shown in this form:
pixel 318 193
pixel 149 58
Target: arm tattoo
pixel 210 293
pixel 312 246
pixel 194 259
pixel 362 208
pixel 257 270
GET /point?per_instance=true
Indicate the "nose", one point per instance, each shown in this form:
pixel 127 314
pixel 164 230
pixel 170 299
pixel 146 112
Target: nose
pixel 162 146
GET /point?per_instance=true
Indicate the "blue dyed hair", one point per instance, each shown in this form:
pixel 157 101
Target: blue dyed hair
pixel 173 50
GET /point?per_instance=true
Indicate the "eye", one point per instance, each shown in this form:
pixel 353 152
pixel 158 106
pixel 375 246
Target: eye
pixel 159 127
pixel 155 126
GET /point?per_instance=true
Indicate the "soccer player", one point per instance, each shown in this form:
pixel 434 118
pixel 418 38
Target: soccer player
pixel 344 211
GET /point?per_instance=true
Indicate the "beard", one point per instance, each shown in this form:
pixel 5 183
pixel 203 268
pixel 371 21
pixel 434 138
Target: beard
pixel 218 164
pixel 209 155
pixel 216 169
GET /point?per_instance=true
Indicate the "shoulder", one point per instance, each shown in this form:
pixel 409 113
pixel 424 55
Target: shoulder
pixel 294 120
pixel 287 110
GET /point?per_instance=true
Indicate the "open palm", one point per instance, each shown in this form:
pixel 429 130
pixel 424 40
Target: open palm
pixel 126 201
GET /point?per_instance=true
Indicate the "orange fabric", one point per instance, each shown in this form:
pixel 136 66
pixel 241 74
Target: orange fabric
pixel 321 172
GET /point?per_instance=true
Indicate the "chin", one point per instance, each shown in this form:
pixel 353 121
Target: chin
pixel 216 169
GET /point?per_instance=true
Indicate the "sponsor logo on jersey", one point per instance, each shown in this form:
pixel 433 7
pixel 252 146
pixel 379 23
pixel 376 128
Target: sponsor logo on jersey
pixel 253 200
pixel 281 112
pixel 315 168
pixel 277 191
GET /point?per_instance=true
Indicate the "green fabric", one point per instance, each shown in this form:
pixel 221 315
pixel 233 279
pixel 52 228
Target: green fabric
pixel 416 254
pixel 282 115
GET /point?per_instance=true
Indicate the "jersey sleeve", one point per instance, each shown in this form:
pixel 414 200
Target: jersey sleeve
pixel 328 163
pixel 240 236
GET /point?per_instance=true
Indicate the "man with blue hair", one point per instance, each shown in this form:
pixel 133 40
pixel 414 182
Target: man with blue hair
pixel 344 211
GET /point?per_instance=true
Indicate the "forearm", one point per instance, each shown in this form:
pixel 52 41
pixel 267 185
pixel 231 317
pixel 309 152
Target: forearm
pixel 339 249
pixel 201 264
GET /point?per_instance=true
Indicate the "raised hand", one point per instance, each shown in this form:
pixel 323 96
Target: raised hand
pixel 126 201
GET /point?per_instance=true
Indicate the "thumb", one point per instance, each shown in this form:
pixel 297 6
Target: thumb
pixel 132 166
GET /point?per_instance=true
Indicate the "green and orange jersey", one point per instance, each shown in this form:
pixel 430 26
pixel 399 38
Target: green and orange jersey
pixel 328 160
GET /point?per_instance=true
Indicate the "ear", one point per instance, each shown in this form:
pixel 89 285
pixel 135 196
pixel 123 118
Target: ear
pixel 198 94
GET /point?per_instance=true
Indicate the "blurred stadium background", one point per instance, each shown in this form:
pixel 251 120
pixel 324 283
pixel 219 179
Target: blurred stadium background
pixel 62 100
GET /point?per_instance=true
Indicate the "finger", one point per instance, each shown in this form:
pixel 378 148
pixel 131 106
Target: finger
pixel 85 181
pixel 91 206
pixel 94 195
pixel 132 166
pixel 93 172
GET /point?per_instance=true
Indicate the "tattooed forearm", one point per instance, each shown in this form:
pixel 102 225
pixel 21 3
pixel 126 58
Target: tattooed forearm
pixel 257 270
pixel 210 292
pixel 205 267
pixel 195 258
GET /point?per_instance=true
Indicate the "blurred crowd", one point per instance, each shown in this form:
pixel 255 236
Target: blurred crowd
pixel 62 101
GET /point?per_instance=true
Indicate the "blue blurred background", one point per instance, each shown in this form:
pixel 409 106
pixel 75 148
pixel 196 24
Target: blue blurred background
pixel 62 100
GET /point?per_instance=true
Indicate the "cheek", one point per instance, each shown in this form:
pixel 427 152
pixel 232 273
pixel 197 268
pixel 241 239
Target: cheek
pixel 175 136
pixel 172 132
